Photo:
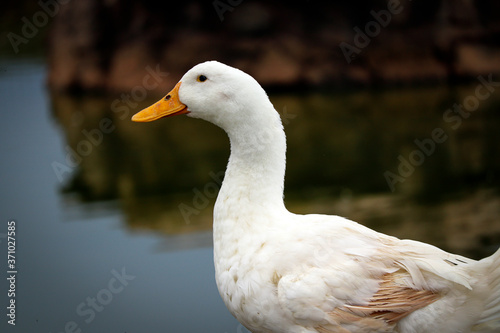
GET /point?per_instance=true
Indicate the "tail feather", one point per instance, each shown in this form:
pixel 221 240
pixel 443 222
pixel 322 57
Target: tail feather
pixel 490 318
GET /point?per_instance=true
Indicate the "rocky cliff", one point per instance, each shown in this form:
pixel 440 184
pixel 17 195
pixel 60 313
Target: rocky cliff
pixel 120 45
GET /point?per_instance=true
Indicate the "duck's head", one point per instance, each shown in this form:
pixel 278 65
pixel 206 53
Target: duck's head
pixel 215 92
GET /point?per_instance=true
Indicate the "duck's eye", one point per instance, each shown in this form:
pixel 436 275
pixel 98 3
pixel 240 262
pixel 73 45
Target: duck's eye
pixel 201 78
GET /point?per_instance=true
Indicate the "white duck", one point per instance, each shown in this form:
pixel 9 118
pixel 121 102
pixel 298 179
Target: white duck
pixel 281 272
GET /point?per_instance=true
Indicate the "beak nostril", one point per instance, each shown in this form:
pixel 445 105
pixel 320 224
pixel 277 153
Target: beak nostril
pixel 167 97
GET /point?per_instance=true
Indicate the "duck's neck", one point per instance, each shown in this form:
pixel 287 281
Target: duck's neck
pixel 254 178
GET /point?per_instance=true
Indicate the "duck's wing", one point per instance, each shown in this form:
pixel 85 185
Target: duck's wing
pixel 392 300
pixel 369 283
pixel 383 310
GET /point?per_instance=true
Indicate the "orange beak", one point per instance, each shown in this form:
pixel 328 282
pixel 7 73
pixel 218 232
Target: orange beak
pixel 165 107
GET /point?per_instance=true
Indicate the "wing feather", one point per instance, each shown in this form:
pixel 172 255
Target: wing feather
pixel 392 302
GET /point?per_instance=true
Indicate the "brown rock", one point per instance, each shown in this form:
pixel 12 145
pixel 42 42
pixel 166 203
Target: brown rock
pixel 475 59
pixel 276 68
pixel 108 46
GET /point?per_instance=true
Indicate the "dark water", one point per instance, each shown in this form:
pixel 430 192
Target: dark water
pixel 68 252
pixel 113 218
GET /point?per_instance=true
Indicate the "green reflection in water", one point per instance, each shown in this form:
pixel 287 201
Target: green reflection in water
pixel 341 148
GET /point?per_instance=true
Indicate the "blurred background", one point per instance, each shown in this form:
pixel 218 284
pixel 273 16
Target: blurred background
pixel 391 111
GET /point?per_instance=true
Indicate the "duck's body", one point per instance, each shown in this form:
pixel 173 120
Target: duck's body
pixel 337 276
pixel 281 272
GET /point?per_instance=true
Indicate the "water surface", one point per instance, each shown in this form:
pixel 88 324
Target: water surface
pixel 69 251
pixel 96 196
